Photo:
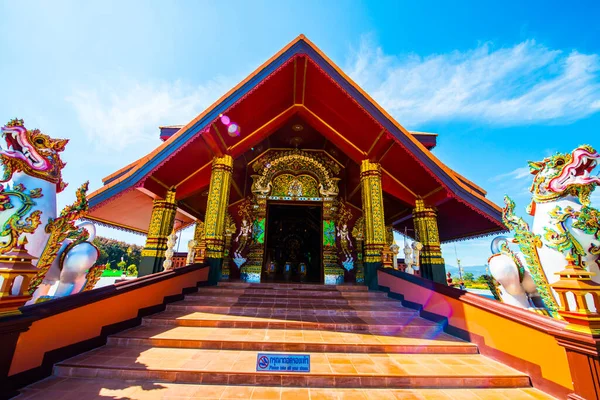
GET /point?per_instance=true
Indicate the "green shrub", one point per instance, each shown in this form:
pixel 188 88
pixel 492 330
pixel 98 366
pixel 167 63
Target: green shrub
pixel 121 265
pixel 132 270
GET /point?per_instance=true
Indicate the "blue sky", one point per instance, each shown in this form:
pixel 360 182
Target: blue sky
pixel 501 83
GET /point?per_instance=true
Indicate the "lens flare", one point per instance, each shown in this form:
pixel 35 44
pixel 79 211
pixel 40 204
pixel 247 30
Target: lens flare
pixel 233 130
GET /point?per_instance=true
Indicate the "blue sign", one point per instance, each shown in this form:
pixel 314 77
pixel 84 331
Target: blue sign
pixel 283 362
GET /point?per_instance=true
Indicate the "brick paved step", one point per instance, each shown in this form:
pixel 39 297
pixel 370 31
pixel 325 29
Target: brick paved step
pixel 289 340
pixel 274 310
pixel 328 370
pixel 260 300
pixel 218 291
pixel 381 325
pixel 55 388
pixel 297 286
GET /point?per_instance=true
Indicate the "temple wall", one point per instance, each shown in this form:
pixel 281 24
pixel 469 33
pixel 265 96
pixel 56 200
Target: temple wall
pixel 516 337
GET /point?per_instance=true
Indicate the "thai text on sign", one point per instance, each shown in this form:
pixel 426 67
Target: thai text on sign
pixel 283 362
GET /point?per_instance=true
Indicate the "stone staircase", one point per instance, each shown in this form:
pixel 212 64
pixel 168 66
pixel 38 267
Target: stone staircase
pixel 362 345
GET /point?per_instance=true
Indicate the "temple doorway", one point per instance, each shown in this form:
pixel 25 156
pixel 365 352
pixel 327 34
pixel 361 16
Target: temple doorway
pixel 293 243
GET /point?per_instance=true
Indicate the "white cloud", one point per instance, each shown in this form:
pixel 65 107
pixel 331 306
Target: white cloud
pixel 517 174
pixel 523 84
pixel 121 114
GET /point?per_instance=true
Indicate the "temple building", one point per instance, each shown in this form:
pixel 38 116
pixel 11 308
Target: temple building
pixel 295 174
pixel 298 180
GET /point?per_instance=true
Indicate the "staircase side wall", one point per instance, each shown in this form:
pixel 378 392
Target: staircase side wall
pixel 516 337
pixel 53 331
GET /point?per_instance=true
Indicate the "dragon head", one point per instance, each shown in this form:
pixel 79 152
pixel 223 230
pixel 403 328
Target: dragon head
pixel 565 174
pixel 31 152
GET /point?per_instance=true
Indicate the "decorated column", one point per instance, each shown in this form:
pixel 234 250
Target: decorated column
pixel 216 210
pixel 333 274
pixel 200 244
pixel 161 226
pixel 252 270
pixel 372 201
pixel 358 233
pixel 230 229
pixel 426 232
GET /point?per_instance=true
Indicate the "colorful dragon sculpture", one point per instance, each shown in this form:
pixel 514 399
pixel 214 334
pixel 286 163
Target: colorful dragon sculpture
pixel 33 172
pixel 564 224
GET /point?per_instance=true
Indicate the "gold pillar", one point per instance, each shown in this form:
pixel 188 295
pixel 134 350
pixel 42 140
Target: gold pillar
pixel 426 231
pixel 372 204
pixel 216 206
pixel 200 249
pixel 161 225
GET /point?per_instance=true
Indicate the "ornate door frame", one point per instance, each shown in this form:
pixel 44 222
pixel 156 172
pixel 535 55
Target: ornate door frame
pixel 295 176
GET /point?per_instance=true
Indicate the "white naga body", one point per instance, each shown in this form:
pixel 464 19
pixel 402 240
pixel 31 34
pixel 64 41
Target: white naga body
pixel 513 291
pixel 76 263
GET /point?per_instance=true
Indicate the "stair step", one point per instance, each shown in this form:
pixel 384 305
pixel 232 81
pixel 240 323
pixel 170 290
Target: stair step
pixel 297 286
pixel 279 310
pixel 55 388
pixel 232 367
pixel 217 290
pixel 287 340
pixel 380 325
pixel 299 302
pixel 307 294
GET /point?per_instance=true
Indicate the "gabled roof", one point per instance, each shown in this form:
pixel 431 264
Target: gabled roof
pixel 331 102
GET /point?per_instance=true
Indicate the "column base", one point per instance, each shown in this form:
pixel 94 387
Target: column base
pixel 371 280
pixel 434 272
pixel 214 270
pixel 360 272
pixel 224 274
pixel 150 265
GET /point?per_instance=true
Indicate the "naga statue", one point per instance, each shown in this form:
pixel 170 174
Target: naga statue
pixel 33 177
pixel 564 225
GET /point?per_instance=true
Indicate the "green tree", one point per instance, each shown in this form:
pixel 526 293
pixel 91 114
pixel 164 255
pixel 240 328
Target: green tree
pixel 468 276
pixel 113 251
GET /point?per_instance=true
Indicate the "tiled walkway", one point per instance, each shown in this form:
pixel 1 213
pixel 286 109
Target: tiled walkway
pixel 362 346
